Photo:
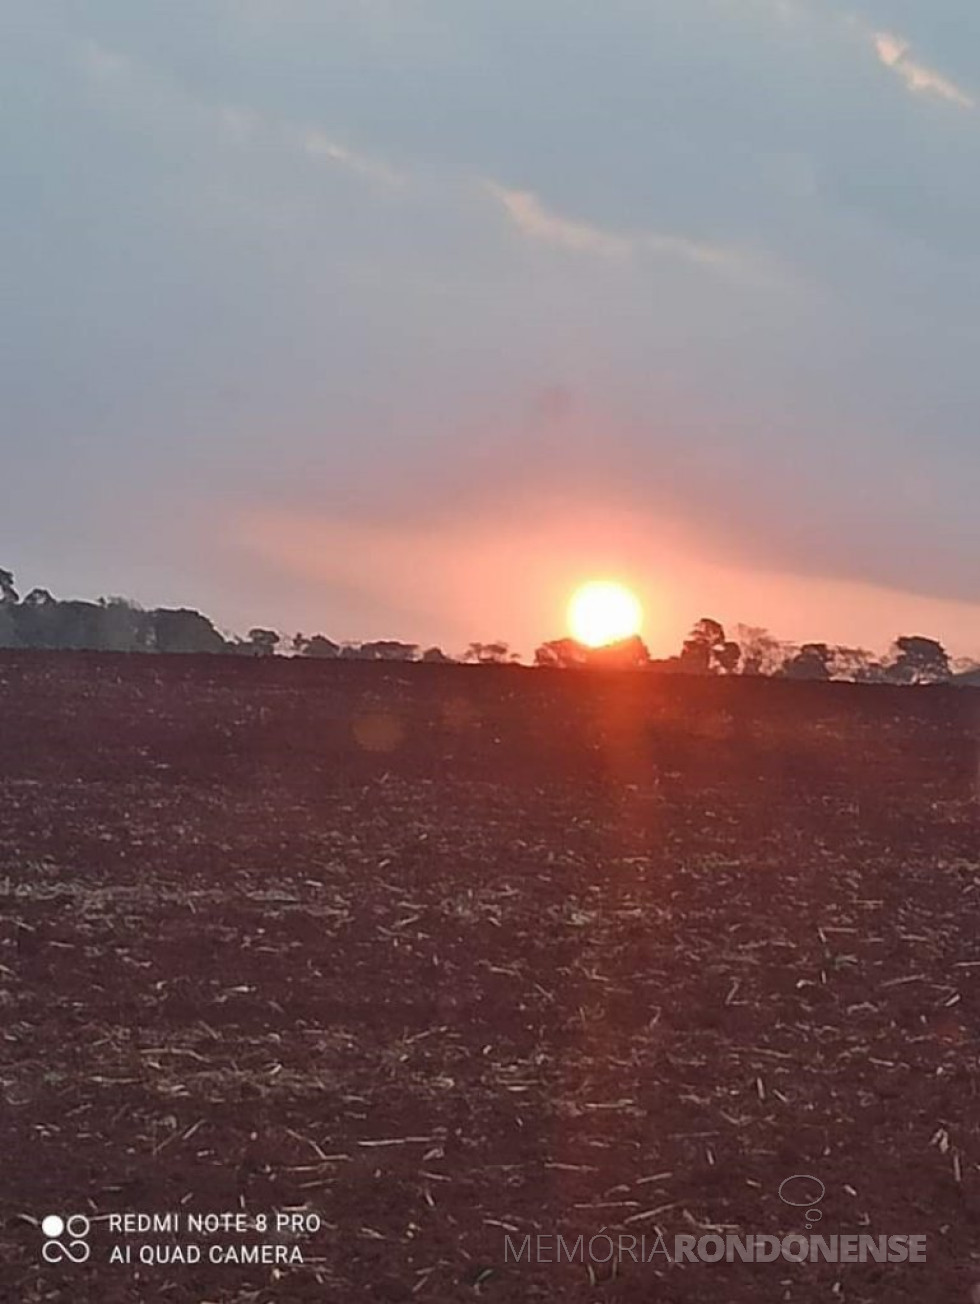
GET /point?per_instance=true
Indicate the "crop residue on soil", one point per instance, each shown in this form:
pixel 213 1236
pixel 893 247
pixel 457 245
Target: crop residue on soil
pixel 449 954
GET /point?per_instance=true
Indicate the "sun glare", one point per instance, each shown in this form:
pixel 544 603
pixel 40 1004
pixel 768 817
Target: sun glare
pixel 603 611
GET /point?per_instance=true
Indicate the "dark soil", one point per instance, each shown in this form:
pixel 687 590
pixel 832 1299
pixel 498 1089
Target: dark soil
pixel 447 955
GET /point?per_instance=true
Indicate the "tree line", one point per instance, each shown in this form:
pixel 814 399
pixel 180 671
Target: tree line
pixel 707 650
pixel 115 624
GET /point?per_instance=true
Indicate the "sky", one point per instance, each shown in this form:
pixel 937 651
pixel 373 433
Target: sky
pixel 401 318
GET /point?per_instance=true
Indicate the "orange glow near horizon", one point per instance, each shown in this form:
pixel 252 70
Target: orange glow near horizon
pixel 497 573
pixel 603 611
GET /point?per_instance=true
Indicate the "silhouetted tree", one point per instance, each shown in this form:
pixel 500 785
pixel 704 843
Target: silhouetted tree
pixel 183 630
pixel 391 649
pixel 125 626
pixel 8 626
pixel 562 654
pixel 261 642
pixel 726 657
pixel 626 654
pixel 71 624
pixel 761 652
pixel 20 625
pixel 856 664
pixel 384 649
pixel 568 654
pixel 918 660
pixel 319 647
pixel 966 672
pixel 488 654
pixel 436 656
pixel 706 651
pixel 8 593
pixel 812 661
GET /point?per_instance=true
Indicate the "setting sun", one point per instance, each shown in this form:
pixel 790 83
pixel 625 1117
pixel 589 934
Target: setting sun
pixel 603 611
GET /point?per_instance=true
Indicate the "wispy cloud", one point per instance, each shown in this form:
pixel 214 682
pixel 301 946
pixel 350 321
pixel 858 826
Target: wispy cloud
pixel 529 215
pixel 526 212
pixel 894 53
pixel 246 127
pixel 317 145
pixel 153 92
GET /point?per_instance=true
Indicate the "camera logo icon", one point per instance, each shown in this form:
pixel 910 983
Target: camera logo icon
pixel 65 1238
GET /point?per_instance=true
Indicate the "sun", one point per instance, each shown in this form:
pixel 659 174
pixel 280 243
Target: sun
pixel 603 611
